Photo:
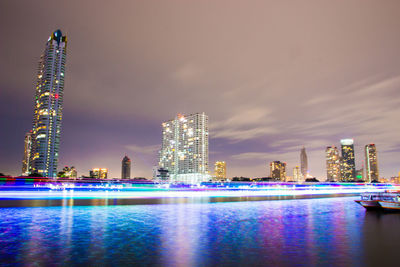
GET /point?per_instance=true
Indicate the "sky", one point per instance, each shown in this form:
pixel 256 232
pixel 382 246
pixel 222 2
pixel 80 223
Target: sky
pixel 272 76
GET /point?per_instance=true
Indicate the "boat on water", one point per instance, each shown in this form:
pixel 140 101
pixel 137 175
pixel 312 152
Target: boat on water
pixel 389 200
pixel 370 201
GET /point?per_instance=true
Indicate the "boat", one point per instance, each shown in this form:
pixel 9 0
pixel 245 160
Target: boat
pixel 370 201
pixel 391 201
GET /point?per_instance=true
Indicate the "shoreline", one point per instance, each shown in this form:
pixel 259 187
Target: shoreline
pixel 98 201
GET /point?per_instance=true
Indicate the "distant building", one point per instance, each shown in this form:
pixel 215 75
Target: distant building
pixel 184 151
pixel 68 172
pixel 99 173
pixel 395 180
pixel 126 168
pixel 371 163
pixel 304 162
pixel 160 175
pixel 26 161
pixel 220 170
pixel 348 166
pixel 278 170
pixel 332 164
pixel 48 107
pixel 297 177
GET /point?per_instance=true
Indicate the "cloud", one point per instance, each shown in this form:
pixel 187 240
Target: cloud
pixel 146 150
pixel 244 125
pixel 187 73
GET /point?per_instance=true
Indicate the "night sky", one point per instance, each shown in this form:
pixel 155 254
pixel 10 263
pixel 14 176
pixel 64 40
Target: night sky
pixel 271 75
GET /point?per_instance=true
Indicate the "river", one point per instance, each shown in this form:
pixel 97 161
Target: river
pixel 301 232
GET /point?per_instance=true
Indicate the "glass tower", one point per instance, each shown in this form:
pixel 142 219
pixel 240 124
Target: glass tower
pixel 184 150
pixel 303 162
pixel 348 166
pixel 48 106
pixel 371 162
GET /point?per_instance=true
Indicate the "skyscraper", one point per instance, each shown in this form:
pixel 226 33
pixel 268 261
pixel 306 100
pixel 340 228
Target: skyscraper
pixel 278 170
pixel 220 170
pixel 371 163
pixel 48 106
pixel 27 154
pixel 348 166
pixel 304 162
pixel 332 164
pixel 184 150
pixel 126 168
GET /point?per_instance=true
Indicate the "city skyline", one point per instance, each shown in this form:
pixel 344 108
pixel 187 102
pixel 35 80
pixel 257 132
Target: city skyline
pixel 267 95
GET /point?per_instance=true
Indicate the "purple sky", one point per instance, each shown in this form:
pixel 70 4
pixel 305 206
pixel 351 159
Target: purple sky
pixel 271 75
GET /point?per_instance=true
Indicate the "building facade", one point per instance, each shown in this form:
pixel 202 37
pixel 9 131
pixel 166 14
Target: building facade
pixel 297 177
pixel 277 170
pixel 360 174
pixel 160 175
pixel 26 161
pixel 184 150
pixel 68 172
pixel 220 170
pixel 371 163
pixel 99 173
pixel 332 164
pixel 48 107
pixel 126 168
pixel 304 162
pixel 348 166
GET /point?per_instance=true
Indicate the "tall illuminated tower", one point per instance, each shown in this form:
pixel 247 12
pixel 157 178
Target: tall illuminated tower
pixel 48 106
pixel 348 166
pixel 126 168
pixel 303 162
pixel 184 150
pixel 371 162
pixel 332 164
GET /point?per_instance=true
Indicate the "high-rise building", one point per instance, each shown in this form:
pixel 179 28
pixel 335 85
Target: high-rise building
pixel 371 163
pixel 126 168
pixel 99 173
pixel 220 170
pixel 297 177
pixel 184 151
pixel 332 164
pixel 303 162
pixel 348 166
pixel 27 154
pixel 48 106
pixel 278 170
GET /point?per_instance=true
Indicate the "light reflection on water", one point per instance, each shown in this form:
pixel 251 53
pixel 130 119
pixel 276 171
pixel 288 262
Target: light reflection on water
pixel 307 232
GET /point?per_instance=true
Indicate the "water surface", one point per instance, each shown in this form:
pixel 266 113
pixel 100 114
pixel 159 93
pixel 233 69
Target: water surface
pixel 304 232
